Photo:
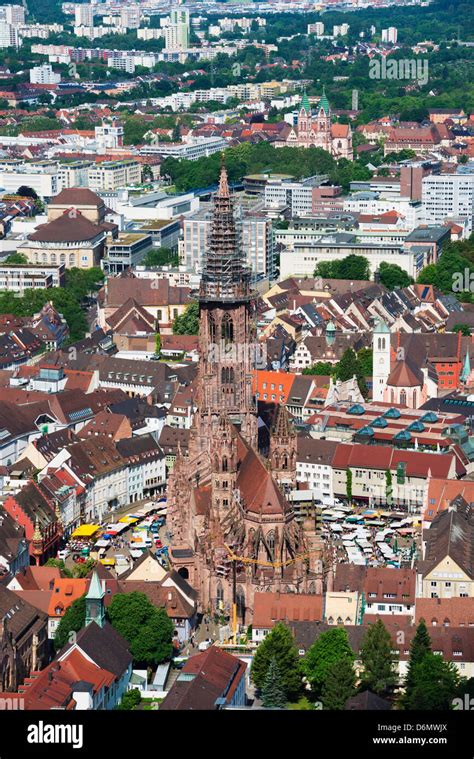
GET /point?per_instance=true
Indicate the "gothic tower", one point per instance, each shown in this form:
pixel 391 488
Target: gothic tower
pixel 227 331
pixel 283 448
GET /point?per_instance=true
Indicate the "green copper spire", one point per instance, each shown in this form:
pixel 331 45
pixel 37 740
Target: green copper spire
pixel 466 370
pixel 95 611
pixel 324 102
pixel 305 103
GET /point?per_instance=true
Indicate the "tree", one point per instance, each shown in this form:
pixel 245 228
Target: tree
pixel 130 700
pixel 278 645
pixel 347 366
pixel 329 648
pixel 26 192
pixel 147 628
pixel 321 368
pixel 73 620
pixel 273 692
pixel 388 487
pixel 16 259
pixel 435 684
pixel 392 276
pixel 351 267
pixel 160 257
pixel 420 646
pixel 464 329
pixel 339 684
pixel 188 322
pixel 59 563
pixel 349 485
pixel 157 343
pixel 378 672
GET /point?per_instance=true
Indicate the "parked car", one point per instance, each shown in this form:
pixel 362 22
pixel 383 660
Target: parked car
pixel 63 554
pixel 205 644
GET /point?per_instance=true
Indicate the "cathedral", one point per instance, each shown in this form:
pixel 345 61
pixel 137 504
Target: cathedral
pixel 234 533
pixel 318 131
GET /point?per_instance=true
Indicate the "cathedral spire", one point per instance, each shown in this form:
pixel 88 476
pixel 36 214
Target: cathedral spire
pixel 225 276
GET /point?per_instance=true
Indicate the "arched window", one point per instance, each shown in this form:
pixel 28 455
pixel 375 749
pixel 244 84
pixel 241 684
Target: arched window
pixel 225 465
pixel 284 463
pixel 53 258
pixel 227 375
pixel 227 329
pixel 403 397
pixel 62 258
pixel 45 258
pixel 72 259
pixel 219 592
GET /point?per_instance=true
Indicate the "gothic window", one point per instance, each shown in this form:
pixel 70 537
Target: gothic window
pixel 227 329
pixel 227 375
pixel 240 600
pixel 403 397
pixel 284 463
pixel 219 592
pixel 312 587
pixel 225 465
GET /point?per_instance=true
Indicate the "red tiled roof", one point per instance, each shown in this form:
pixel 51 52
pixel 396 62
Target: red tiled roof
pixel 270 608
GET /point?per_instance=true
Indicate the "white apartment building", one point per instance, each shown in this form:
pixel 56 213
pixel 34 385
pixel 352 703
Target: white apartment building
pixel 372 203
pixel 42 178
pixel 113 175
pixel 9 35
pixel 109 135
pixel 74 174
pixel 196 147
pixel 18 278
pixel 130 17
pixel 177 31
pixel 256 235
pixel 447 196
pixel 44 75
pixel 341 30
pixel 317 29
pixel 390 35
pixel 84 15
pixel 121 62
pixel 12 14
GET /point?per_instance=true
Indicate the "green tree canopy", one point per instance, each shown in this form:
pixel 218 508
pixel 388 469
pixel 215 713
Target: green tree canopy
pixel 351 267
pixel 339 684
pixel 392 276
pixel 273 691
pixel 329 648
pixel 378 671
pixel 73 620
pixel 420 646
pixel 147 628
pixel 188 322
pixel 435 684
pixel 278 645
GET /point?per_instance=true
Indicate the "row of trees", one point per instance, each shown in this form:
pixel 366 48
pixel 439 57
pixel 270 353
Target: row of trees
pixel 357 268
pixel 327 672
